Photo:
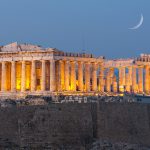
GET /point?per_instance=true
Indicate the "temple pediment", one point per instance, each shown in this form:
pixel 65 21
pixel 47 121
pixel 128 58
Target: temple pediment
pixel 15 47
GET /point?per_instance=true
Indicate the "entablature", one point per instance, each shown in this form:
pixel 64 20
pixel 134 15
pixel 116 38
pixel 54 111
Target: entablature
pixel 142 63
pixel 118 63
pixel 79 59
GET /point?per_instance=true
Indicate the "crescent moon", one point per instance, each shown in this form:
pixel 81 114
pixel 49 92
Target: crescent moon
pixel 139 24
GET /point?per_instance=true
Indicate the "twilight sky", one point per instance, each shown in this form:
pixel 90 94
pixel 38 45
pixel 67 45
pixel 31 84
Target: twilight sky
pixel 96 26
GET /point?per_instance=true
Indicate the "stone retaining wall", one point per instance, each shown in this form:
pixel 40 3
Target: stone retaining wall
pixel 73 126
pixel 41 127
pixel 124 122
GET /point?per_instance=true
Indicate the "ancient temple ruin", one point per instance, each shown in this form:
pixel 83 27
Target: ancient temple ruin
pixel 30 69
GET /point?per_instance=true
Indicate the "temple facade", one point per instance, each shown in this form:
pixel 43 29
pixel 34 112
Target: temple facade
pixel 30 69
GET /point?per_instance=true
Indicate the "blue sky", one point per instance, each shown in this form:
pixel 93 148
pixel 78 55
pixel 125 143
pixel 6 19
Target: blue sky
pixel 96 26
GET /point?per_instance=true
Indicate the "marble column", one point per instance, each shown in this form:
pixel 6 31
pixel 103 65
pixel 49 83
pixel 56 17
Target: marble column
pixel 57 74
pixel 111 75
pixel 134 79
pixel 123 76
pixel 87 77
pixel 94 76
pixel 101 78
pixel 128 83
pixel 147 79
pixel 33 75
pixel 80 76
pixel 23 76
pixel 121 79
pixel 108 82
pixel 115 84
pixel 73 76
pixel 62 75
pixel 130 76
pixel 43 78
pixel 67 63
pixel 140 79
pixel 13 76
pixel 52 76
pixel 3 80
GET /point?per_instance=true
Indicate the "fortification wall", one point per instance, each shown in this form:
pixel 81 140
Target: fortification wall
pixel 73 126
pixel 124 122
pixel 55 126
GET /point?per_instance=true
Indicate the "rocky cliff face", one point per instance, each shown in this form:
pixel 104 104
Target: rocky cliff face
pixel 109 145
pixel 74 126
pixel 125 122
pixel 41 127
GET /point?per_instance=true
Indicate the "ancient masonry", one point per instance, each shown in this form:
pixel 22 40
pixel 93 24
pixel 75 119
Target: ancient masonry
pixel 74 126
pixel 30 69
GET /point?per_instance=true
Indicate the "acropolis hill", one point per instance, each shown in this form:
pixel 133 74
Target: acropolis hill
pixel 30 69
pixel 55 100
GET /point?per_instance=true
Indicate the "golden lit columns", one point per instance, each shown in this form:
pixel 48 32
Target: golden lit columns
pixel 140 79
pixel 33 75
pixel 13 76
pixel 111 77
pixel 23 76
pixel 52 76
pixel 129 79
pixel 67 63
pixel 115 85
pixel 130 76
pixel 62 75
pixel 101 78
pixel 111 71
pixel 134 79
pixel 43 78
pixel 123 71
pixel 128 89
pixel 108 81
pixel 94 76
pixel 121 78
pixel 80 76
pixel 147 79
pixel 73 76
pixel 3 79
pixel 87 76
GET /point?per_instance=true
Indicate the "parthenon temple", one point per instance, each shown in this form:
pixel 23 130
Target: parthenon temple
pixel 31 69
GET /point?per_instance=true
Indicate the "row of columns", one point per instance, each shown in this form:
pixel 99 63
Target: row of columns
pixel 75 75
pixel 69 75
pixel 33 76
pixel 131 81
